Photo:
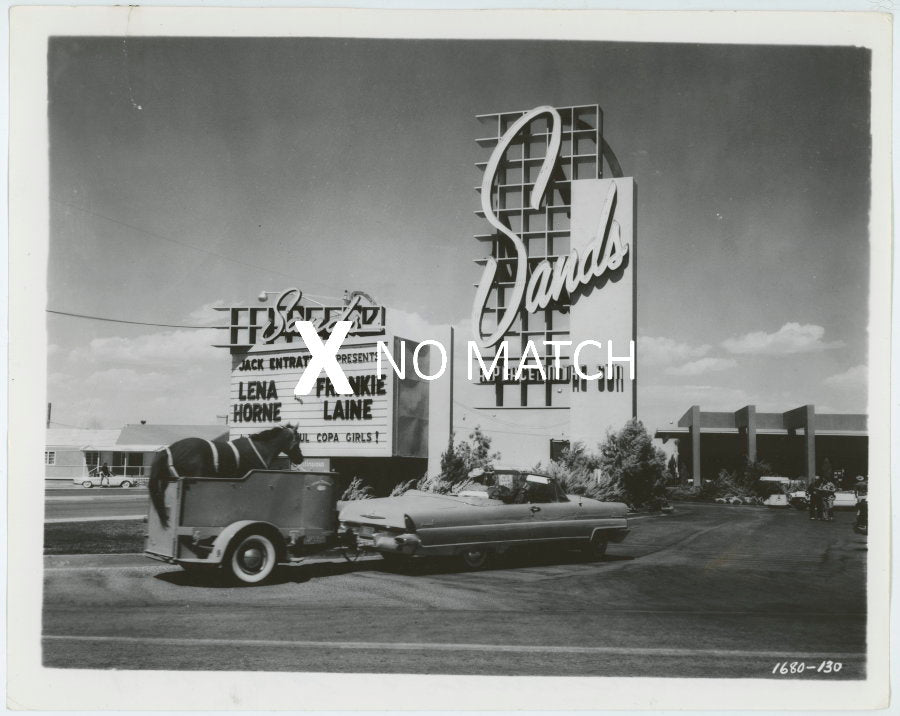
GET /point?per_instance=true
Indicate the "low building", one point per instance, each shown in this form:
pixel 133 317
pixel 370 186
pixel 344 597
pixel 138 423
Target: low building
pixel 65 455
pixel 73 452
pixel 794 443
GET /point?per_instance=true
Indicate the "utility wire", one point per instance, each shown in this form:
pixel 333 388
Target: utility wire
pixel 177 242
pixel 133 323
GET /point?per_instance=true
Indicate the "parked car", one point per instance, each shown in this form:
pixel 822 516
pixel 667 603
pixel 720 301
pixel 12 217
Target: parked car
pixel 514 508
pixel 111 481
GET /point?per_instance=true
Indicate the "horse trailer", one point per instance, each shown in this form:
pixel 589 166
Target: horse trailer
pixel 246 525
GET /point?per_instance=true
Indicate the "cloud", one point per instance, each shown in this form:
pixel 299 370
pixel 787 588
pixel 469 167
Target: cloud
pixel 179 348
pixel 207 315
pixel 58 379
pixel 703 365
pixel 790 338
pixel 663 351
pixel 129 379
pixel 855 377
pixel 680 397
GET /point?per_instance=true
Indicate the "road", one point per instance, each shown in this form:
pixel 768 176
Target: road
pixel 97 503
pixel 711 591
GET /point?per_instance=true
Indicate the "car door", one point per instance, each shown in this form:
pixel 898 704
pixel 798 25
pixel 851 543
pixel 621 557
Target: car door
pixel 560 518
pixel 487 522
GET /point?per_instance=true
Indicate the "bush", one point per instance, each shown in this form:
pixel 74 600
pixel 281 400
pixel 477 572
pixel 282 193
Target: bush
pixel 683 492
pixel 358 489
pixel 725 485
pixel 457 461
pixel 402 487
pixel 577 472
pixel 634 467
pixel 627 468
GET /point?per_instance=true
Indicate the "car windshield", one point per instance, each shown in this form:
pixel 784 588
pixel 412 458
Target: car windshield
pixel 522 488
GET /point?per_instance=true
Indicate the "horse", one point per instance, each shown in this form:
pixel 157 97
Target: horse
pixel 198 457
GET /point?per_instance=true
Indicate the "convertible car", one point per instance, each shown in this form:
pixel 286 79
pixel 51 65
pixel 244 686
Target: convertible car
pixel 512 508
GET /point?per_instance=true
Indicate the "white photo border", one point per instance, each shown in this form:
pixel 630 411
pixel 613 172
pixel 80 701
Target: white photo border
pixel 32 686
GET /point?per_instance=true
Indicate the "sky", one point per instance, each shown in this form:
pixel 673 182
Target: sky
pixel 187 173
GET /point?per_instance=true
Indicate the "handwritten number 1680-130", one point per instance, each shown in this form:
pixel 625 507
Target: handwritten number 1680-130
pixel 798 667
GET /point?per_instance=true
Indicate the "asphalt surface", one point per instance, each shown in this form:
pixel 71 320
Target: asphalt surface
pixel 97 503
pixel 710 591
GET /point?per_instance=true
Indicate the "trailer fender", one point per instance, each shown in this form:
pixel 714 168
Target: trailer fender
pixel 220 546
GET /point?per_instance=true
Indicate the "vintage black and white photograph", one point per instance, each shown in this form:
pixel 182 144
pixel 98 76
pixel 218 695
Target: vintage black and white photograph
pixel 412 354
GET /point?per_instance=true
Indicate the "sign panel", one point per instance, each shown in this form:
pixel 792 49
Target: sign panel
pixel 262 396
pixel 605 314
pixel 561 266
pixel 267 325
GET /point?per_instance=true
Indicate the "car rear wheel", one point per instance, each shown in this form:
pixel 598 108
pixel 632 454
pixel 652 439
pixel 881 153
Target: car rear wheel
pixel 125 484
pixel 475 558
pixel 596 547
pixel 87 483
pixel 252 559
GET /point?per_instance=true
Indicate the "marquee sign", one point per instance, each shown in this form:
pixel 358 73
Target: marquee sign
pixel 266 325
pixel 262 396
pixel 384 415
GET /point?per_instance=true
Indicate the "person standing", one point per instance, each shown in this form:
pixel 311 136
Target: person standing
pixel 827 490
pixel 105 474
pixel 815 498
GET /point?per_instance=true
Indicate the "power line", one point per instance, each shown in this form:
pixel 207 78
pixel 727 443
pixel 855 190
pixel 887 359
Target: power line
pixel 169 239
pixel 133 323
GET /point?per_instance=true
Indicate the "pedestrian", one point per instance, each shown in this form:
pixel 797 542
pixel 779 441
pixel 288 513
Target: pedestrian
pixel 105 474
pixel 814 498
pixel 827 490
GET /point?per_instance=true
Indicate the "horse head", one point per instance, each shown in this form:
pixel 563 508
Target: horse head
pixel 293 447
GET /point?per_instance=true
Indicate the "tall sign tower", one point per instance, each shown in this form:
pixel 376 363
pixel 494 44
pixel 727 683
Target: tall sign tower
pixel 560 269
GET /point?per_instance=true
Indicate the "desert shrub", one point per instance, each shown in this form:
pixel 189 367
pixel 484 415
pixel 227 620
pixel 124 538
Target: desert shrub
pixel 440 484
pixel 627 468
pixel 725 485
pixel 683 492
pixel 404 486
pixel 633 465
pixel 457 461
pixel 575 470
pixel 358 489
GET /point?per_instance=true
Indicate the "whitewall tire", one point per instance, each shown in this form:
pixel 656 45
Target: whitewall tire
pixel 253 559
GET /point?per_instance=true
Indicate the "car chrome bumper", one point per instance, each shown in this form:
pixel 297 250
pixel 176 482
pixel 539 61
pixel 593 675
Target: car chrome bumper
pixel 405 543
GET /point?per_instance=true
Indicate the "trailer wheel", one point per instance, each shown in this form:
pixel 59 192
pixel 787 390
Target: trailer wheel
pixel 252 558
pixel 475 557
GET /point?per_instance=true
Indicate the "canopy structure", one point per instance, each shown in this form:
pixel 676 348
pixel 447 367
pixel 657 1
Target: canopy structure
pixel 791 438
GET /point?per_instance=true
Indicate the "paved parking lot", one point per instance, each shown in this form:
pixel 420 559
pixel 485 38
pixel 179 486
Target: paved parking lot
pixel 708 591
